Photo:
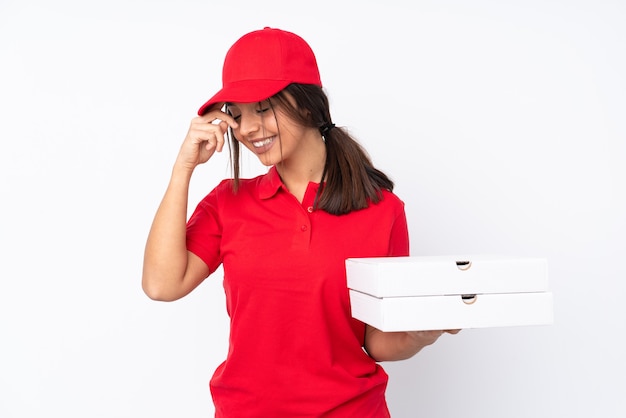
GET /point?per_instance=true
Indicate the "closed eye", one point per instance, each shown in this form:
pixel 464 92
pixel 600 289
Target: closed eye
pixel 263 106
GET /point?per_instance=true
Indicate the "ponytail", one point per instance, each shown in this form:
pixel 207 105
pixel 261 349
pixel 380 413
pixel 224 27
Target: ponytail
pixel 352 181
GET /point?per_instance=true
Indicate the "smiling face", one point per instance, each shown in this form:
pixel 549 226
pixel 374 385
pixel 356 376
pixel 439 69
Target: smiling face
pixel 268 132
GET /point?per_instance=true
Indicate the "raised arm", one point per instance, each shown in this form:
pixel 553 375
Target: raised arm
pixel 169 270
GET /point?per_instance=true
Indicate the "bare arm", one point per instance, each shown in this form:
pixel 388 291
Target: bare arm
pixel 169 270
pixel 392 346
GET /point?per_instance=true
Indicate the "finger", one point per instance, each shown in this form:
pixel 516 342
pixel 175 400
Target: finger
pixel 211 135
pixel 201 131
pixel 217 116
pixel 206 127
pixel 211 145
pixel 221 138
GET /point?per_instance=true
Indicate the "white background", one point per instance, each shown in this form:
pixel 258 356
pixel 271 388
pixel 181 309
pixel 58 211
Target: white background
pixel 502 123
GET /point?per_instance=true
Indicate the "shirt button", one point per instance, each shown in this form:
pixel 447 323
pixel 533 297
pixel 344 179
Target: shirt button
pixel 304 228
pixel 310 209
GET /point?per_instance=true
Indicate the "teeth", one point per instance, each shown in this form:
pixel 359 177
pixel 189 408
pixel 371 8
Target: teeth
pixel 259 144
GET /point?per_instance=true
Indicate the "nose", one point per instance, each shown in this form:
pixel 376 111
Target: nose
pixel 249 124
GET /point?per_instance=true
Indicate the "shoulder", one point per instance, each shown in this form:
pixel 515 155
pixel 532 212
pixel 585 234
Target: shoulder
pixel 390 200
pixel 389 206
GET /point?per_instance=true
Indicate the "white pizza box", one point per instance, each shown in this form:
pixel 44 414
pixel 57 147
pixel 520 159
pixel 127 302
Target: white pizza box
pixel 449 292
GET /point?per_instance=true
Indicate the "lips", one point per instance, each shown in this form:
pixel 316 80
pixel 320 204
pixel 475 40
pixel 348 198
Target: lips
pixel 263 145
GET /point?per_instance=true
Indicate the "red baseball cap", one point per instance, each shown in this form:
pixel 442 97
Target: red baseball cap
pixel 262 63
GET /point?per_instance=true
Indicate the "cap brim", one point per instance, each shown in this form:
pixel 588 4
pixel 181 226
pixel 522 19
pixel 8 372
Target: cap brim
pixel 246 91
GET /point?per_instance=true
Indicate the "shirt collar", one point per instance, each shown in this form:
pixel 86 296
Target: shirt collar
pixel 270 184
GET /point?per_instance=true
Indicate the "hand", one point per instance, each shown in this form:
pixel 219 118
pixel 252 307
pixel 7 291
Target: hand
pixel 205 136
pixel 400 345
pixel 423 338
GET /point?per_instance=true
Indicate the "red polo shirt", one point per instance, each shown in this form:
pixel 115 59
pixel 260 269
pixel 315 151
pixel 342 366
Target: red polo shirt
pixel 294 349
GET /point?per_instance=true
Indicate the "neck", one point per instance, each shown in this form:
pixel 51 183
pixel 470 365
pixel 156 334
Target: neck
pixel 307 166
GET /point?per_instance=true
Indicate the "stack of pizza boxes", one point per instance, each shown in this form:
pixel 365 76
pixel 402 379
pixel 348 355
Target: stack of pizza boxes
pixel 449 292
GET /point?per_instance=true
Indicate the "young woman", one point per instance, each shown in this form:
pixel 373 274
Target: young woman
pixel 282 239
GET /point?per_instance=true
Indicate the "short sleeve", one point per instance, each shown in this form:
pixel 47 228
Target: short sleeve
pixel 204 230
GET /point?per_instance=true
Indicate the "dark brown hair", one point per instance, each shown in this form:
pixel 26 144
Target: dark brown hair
pixel 351 180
